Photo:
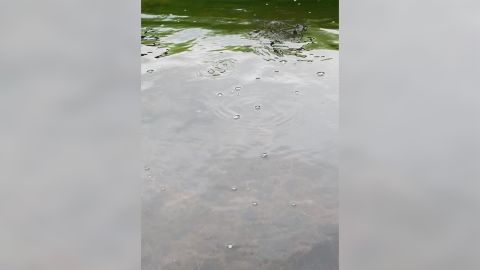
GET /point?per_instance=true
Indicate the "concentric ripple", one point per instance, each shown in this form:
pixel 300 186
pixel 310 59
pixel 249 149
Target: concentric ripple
pixel 217 68
pixel 269 114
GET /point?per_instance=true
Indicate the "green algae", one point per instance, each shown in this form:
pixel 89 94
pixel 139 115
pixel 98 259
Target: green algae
pixel 163 18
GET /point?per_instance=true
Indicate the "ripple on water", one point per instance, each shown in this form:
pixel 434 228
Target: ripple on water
pixel 218 68
pixel 278 107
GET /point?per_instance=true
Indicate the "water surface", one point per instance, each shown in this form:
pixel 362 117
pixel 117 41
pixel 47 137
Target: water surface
pixel 240 104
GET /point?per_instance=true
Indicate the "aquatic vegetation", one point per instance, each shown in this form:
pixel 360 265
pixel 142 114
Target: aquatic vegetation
pixel 247 48
pixel 321 39
pixel 174 48
pixel 272 38
pixel 282 28
pixel 246 9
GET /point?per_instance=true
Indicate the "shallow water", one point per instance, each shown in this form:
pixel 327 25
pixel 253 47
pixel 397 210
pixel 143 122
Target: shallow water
pixel 239 135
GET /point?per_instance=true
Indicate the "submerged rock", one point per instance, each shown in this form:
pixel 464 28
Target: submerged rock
pixel 279 33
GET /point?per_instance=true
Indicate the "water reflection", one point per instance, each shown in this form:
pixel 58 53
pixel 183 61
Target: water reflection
pixel 239 135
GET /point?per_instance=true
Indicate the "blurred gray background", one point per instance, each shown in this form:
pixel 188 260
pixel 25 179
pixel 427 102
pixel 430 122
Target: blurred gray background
pixel 69 118
pixel 410 130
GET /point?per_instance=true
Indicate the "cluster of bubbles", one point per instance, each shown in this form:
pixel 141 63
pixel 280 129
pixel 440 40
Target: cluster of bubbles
pixel 264 155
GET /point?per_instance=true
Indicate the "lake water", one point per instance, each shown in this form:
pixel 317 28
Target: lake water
pixel 240 123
